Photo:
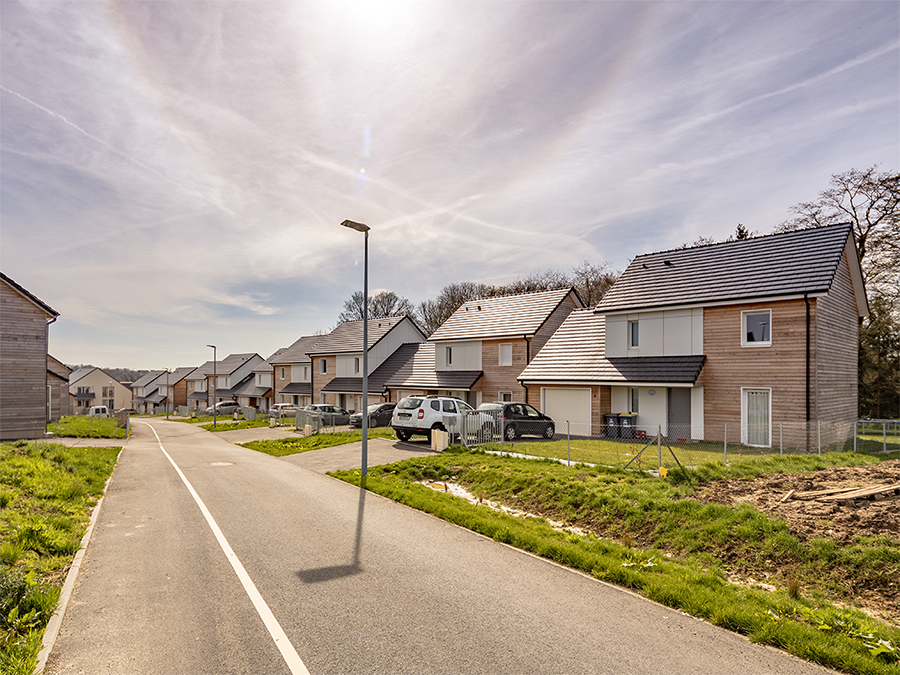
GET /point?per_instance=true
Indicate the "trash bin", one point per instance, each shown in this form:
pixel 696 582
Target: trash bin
pixel 611 425
pixel 627 421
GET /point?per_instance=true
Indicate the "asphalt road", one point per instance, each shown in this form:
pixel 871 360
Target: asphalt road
pixel 357 584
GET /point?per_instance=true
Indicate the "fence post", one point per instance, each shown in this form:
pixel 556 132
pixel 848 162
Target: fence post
pixel 725 458
pixel 819 436
pixel 781 439
pixel 884 436
pixel 658 447
pixel 855 433
pixel 568 446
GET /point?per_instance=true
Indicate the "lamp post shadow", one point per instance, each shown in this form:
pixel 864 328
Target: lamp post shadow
pixel 320 574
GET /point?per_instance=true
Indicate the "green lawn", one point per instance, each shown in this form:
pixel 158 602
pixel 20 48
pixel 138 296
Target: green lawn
pixel 231 425
pixel 46 493
pixel 649 535
pixel 83 426
pixel 291 446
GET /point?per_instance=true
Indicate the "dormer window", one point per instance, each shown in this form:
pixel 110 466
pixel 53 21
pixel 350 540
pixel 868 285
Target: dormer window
pixel 756 328
pixel 633 334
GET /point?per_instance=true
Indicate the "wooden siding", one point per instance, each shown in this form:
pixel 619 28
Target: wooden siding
pixel 837 353
pixel 780 367
pixel 319 380
pixel 23 366
pixel 496 378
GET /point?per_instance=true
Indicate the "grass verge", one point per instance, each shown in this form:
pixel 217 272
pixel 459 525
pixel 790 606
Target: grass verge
pixel 233 426
pixel 291 446
pixel 83 426
pixel 680 561
pixel 47 491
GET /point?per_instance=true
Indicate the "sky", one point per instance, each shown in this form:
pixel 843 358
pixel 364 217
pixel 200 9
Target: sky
pixel 174 174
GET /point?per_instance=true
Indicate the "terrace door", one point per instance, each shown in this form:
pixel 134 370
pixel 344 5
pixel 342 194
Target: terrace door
pixel 679 400
pixel 757 417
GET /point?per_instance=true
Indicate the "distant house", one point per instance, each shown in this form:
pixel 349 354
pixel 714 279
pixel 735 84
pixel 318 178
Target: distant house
pixel 94 386
pixel 337 359
pixel 198 397
pixel 292 372
pixel 57 388
pixel 161 389
pixel 757 337
pixel 478 353
pixel 233 372
pixel 143 390
pixel 24 399
pixel 256 391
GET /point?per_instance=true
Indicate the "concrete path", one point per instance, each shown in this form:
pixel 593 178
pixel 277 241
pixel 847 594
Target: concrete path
pixel 343 581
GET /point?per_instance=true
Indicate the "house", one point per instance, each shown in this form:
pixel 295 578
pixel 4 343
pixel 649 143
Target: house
pixel 143 389
pixel 57 388
pixel 337 359
pixel 481 349
pixel 94 386
pixel 197 394
pixel 752 340
pixel 256 391
pixel 166 388
pixel 231 374
pixel 292 372
pixel 24 327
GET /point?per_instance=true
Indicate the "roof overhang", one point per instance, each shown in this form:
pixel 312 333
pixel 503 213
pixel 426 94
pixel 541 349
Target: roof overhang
pixel 715 303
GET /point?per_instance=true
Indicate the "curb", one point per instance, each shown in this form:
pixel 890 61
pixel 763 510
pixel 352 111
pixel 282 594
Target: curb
pixel 56 619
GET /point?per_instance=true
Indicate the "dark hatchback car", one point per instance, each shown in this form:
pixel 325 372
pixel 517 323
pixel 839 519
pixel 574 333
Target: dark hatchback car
pixel 520 419
pixel 330 414
pixel 379 415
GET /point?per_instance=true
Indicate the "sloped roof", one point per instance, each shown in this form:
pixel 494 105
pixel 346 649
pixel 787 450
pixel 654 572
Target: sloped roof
pixel 792 263
pixel 304 388
pixel 232 362
pixel 348 336
pixel 30 296
pixel 76 375
pixel 510 315
pixel 200 372
pixel 299 351
pixel 414 369
pixel 267 365
pixel 144 380
pixel 576 353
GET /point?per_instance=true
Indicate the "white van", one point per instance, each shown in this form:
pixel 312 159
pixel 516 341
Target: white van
pixel 99 411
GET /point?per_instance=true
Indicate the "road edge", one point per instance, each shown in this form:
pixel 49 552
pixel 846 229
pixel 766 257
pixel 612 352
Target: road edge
pixel 56 619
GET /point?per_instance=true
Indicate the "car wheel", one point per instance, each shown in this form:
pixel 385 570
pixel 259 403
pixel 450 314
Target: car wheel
pixel 549 431
pixel 510 432
pixel 403 435
pixel 487 430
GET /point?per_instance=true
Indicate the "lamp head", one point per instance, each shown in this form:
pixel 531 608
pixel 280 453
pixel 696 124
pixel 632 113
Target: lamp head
pixel 359 227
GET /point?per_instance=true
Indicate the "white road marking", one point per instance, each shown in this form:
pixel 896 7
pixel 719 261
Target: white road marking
pixel 284 645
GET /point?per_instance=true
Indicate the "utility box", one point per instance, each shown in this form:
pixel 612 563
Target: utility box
pixel 440 440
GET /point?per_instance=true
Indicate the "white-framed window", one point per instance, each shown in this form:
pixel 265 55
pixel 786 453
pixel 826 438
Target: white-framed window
pixel 356 364
pixel 756 416
pixel 282 373
pixel 504 396
pixel 506 354
pixel 323 367
pixel 633 334
pixel 449 356
pixel 756 328
pixel 633 398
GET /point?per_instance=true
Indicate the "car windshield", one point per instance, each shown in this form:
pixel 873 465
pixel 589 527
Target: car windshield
pixel 409 403
pixel 490 406
pixel 374 407
pixel 464 407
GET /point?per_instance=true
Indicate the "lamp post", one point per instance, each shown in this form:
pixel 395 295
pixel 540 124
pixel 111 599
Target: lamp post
pixel 215 384
pixel 167 393
pixel 359 227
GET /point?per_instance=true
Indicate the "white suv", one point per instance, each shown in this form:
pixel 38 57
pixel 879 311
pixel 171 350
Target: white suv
pixel 421 414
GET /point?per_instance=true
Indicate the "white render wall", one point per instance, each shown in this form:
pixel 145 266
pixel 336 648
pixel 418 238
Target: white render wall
pixel 466 355
pixel 676 332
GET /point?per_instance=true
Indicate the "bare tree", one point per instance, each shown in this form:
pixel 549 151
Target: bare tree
pixel 592 281
pixel 870 202
pixel 385 303
pixel 432 313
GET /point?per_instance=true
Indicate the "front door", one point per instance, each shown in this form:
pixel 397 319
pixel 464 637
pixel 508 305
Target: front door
pixel 679 414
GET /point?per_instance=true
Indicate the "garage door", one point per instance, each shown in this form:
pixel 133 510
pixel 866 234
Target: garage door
pixel 572 405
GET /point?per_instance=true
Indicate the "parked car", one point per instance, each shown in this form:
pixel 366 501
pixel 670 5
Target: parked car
pixel 224 408
pixel 421 414
pixel 520 419
pixel 332 415
pixel 283 409
pixel 98 411
pixel 379 415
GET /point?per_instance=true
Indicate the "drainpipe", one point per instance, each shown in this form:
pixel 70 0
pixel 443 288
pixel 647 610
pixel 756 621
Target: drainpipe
pixel 806 300
pixel 47 395
pixel 527 361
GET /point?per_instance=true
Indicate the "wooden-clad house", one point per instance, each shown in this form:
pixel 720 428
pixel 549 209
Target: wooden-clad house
pixel 24 328
pixel 757 336
pixel 58 398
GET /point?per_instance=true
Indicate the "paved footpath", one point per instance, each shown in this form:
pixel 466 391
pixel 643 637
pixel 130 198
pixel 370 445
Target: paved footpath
pixel 290 571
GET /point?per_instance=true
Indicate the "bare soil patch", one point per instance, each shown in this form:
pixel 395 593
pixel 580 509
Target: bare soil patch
pixel 838 521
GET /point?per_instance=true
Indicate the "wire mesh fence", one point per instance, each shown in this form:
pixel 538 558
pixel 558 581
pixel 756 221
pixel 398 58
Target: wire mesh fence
pixel 640 446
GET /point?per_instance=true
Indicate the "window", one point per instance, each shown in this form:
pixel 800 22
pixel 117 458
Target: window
pixel 506 354
pixel 322 398
pixel 449 356
pixel 323 366
pixel 282 373
pixel 756 415
pixel 435 405
pixel 449 407
pixel 635 396
pixel 305 374
pixel 356 364
pixel 504 396
pixel 756 328
pixel 633 334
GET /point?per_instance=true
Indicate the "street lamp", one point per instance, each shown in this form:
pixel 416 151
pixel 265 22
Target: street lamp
pixel 167 393
pixel 359 227
pixel 215 385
